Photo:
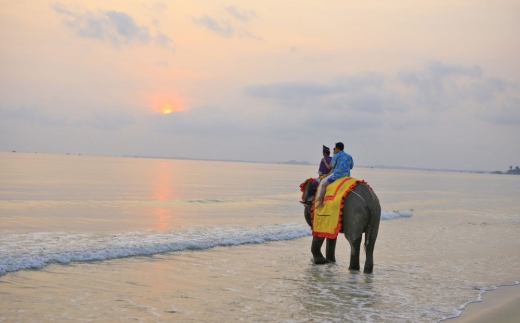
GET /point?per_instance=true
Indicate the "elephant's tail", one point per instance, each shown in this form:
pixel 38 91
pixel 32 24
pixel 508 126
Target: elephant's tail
pixel 374 211
pixel 368 237
pixel 368 234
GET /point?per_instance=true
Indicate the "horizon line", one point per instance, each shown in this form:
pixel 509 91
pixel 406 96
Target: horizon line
pixel 290 162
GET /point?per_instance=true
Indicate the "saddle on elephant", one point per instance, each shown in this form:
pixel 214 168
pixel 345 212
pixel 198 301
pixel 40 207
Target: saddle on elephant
pixel 326 221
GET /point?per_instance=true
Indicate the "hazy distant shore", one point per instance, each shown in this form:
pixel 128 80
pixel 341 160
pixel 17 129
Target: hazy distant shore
pixel 295 162
pixel 306 163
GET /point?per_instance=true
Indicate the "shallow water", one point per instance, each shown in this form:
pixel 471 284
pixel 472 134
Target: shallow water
pixel 156 240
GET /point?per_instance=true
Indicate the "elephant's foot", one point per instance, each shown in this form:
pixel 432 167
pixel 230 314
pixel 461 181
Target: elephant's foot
pixel 368 270
pixel 317 256
pixel 354 254
pixel 320 260
pixel 354 263
pixel 330 253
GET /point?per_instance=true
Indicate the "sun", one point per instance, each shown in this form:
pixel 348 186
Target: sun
pixel 167 109
pixel 165 103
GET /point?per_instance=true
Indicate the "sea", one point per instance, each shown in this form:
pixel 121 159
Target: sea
pixel 124 239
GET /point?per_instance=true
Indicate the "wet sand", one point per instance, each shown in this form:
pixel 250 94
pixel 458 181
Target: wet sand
pixel 501 305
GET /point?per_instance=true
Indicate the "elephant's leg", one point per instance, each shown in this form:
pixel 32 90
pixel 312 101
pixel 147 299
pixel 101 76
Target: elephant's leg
pixel 317 242
pixel 331 250
pixel 354 254
pixel 369 263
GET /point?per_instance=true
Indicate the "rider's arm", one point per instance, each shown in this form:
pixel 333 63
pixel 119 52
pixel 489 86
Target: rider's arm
pixel 333 163
pixel 325 162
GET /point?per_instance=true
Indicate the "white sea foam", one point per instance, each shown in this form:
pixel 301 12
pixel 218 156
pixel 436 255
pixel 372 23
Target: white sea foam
pixel 36 250
pixel 388 215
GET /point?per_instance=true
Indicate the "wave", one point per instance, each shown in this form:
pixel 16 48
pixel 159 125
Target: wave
pixel 388 215
pixel 36 250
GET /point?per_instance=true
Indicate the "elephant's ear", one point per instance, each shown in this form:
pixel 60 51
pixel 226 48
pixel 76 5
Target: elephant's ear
pixel 306 188
pixel 302 185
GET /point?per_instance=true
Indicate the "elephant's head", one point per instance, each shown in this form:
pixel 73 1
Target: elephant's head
pixel 308 189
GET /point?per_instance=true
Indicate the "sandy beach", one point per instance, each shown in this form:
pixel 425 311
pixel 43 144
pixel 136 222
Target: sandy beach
pixel 501 305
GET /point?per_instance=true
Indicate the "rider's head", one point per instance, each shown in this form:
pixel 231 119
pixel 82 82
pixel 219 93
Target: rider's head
pixel 326 150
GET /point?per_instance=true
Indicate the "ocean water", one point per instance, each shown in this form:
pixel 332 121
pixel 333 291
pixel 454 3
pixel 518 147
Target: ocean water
pixel 113 239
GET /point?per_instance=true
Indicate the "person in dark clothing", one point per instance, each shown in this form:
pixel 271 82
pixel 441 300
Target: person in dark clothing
pixel 325 162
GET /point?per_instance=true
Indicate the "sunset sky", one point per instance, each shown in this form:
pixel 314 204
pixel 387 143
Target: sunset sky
pixel 431 84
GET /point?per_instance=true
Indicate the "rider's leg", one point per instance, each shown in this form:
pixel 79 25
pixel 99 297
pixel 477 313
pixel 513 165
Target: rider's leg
pixel 321 196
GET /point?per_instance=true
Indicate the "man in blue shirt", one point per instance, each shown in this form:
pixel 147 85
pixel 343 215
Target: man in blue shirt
pixel 341 165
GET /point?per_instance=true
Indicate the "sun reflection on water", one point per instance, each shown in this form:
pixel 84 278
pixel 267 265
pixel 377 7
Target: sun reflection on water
pixel 163 192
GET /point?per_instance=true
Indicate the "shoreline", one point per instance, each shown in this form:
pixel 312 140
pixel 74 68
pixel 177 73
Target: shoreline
pixel 498 305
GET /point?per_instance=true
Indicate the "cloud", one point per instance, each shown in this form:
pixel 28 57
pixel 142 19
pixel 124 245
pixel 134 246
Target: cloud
pixel 33 115
pixel 408 99
pixel 291 90
pixel 41 116
pixel 247 34
pixel 206 120
pixel 223 29
pixel 370 102
pixel 159 6
pixel 504 113
pixel 216 122
pixel 358 92
pixel 126 27
pixel 161 63
pixel 113 26
pixel 108 121
pixel 438 86
pixel 487 90
pixel 433 77
pixel 348 103
pixel 163 40
pixel 243 15
pixel 311 107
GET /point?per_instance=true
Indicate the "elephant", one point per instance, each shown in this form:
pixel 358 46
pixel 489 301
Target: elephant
pixel 361 214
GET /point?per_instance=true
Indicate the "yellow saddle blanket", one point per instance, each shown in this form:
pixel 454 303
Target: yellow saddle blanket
pixel 327 219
